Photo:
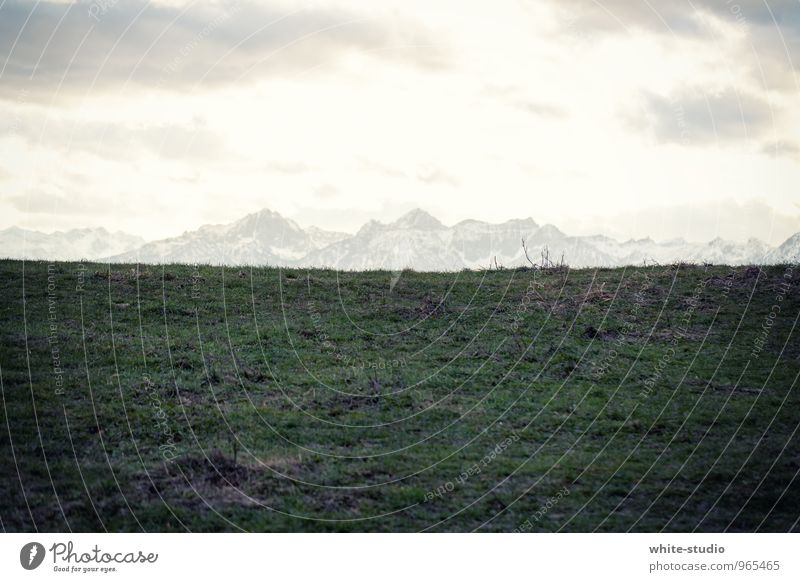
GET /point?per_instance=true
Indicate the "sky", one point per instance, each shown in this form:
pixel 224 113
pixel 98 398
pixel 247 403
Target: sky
pixel 621 117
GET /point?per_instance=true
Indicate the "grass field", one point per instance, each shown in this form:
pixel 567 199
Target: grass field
pixel 179 398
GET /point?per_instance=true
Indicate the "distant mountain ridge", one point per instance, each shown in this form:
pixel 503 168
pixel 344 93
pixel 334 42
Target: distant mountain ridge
pixel 416 240
pixel 71 245
pixel 261 238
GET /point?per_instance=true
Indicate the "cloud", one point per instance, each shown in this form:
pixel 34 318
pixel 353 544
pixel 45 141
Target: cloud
pixel 541 109
pixel 427 173
pixel 39 201
pixel 190 140
pixel 431 174
pixel 680 17
pixel 288 167
pixel 518 98
pixel 694 117
pixel 622 15
pixel 48 44
pixel 787 149
pixel 326 191
pixel 379 168
pixel 771 27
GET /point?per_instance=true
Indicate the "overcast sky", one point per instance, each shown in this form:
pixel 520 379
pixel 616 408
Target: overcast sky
pixel 624 117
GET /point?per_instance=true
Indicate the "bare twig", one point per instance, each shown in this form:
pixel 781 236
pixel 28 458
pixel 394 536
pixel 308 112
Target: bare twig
pixel 525 248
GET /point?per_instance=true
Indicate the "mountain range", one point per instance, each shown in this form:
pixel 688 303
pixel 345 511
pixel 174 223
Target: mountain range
pixel 416 240
pixel 72 245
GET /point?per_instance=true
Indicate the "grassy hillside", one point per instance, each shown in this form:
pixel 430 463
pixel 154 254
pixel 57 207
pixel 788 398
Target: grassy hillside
pixel 175 398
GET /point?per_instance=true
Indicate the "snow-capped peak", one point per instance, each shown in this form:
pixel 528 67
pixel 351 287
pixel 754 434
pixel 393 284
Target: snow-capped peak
pixel 417 219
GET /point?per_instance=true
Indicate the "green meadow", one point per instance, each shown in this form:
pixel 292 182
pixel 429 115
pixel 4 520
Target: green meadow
pixel 174 398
